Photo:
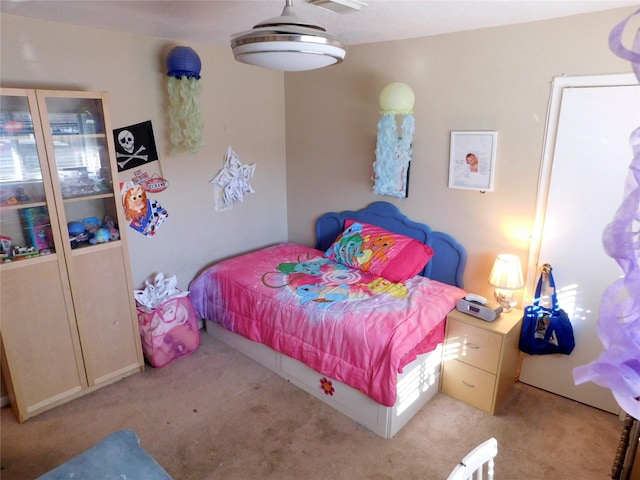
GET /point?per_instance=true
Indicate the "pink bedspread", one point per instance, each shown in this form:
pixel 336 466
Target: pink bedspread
pixel 344 323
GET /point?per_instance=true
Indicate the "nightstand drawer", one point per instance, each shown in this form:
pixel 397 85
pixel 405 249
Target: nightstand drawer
pixel 474 346
pixel 468 384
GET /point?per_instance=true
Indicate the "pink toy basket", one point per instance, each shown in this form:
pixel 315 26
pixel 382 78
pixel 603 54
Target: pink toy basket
pixel 168 332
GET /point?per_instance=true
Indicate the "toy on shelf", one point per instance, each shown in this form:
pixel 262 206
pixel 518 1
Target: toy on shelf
pixel 77 234
pixel 19 196
pixel 93 231
pixel 18 253
pixel 38 227
pixel 18 250
pixel 101 236
pixel 5 245
pixel 110 225
pixel 91 225
pixel 5 248
pixel 77 182
pixel 10 252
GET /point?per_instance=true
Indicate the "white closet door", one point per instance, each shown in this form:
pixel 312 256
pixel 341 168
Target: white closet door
pixel 583 181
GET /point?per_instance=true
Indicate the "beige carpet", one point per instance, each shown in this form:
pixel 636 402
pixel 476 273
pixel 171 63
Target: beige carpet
pixel 218 415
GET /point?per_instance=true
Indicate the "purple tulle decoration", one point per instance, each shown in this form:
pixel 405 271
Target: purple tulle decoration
pixel 618 367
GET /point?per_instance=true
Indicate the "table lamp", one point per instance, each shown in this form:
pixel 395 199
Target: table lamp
pixel 506 276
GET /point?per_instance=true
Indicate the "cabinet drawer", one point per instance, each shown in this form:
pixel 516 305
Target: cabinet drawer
pixel 468 384
pixel 473 345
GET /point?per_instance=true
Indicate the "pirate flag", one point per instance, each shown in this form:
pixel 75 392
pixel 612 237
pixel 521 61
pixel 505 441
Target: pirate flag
pixel 135 145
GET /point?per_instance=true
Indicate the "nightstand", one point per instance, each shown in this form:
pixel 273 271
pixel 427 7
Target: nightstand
pixel 480 358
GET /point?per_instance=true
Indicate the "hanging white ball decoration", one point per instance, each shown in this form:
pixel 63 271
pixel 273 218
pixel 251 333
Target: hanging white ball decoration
pixel 397 98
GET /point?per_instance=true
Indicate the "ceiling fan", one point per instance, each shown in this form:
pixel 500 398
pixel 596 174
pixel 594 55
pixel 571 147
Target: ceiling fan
pixel 290 43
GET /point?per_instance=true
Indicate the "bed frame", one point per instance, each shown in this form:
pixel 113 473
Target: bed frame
pixel 419 380
pixel 446 266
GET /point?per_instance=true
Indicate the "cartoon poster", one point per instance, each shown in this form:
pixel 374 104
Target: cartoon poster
pixel 146 215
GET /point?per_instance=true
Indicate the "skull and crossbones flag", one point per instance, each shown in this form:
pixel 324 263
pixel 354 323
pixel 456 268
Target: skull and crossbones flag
pixel 135 145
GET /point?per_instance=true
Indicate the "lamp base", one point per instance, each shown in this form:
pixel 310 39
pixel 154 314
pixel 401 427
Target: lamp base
pixel 504 298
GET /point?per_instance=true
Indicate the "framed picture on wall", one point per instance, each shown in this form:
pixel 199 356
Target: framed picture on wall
pixel 472 160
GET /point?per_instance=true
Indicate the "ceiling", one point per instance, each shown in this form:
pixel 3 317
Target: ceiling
pixel 214 21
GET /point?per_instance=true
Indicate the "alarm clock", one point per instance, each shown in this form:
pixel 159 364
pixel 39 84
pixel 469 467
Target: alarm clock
pixel 487 311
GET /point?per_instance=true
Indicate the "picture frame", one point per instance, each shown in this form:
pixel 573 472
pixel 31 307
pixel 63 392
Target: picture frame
pixel 472 160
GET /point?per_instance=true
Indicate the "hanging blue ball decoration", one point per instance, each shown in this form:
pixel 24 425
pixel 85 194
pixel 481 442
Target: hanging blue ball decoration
pixel 183 62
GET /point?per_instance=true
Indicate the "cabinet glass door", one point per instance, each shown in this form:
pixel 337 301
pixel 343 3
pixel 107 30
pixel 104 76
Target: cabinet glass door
pixel 25 227
pixel 41 348
pixel 79 143
pixel 77 139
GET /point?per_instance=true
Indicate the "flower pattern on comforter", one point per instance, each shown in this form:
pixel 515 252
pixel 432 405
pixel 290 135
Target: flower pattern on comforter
pixel 350 325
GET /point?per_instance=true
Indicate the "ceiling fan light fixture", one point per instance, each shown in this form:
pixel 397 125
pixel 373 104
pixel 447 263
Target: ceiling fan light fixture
pixel 287 43
pixel 339 6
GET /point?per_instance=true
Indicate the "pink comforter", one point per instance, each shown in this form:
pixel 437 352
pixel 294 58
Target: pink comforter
pixel 344 323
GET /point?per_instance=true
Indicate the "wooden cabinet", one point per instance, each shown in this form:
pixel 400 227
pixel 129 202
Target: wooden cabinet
pixel 68 320
pixel 480 358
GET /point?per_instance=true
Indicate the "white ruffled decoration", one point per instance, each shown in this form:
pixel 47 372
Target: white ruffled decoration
pixel 393 155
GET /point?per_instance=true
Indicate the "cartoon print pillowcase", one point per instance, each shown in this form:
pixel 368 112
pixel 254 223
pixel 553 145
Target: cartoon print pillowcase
pixel 373 249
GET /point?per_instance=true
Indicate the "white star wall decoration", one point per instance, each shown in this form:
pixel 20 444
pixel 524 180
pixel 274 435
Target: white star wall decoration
pixel 232 182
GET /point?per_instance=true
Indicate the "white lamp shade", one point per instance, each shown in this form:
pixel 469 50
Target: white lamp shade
pixel 288 56
pixel 397 98
pixel 287 43
pixel 507 273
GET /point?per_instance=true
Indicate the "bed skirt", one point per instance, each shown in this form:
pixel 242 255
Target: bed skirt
pixel 417 384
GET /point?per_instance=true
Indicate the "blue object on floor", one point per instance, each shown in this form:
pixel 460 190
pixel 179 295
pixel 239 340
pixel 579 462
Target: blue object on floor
pixel 119 456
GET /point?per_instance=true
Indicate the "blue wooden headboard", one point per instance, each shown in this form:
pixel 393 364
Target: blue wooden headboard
pixel 447 265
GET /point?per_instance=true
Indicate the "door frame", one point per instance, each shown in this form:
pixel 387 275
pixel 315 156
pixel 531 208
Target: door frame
pixel 532 367
pixel 558 84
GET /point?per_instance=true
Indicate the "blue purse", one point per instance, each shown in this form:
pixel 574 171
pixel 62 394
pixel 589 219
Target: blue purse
pixel 546 330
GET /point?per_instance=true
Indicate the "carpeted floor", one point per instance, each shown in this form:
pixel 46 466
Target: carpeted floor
pixel 218 415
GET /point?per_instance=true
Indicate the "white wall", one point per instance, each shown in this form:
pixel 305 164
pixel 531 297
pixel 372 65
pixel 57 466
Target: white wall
pixel 241 106
pixel 493 79
pixel 489 79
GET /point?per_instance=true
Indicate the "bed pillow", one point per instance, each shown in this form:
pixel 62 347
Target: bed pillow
pixel 373 249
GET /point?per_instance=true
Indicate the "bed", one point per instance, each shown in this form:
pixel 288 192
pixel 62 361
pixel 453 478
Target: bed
pixel 358 321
